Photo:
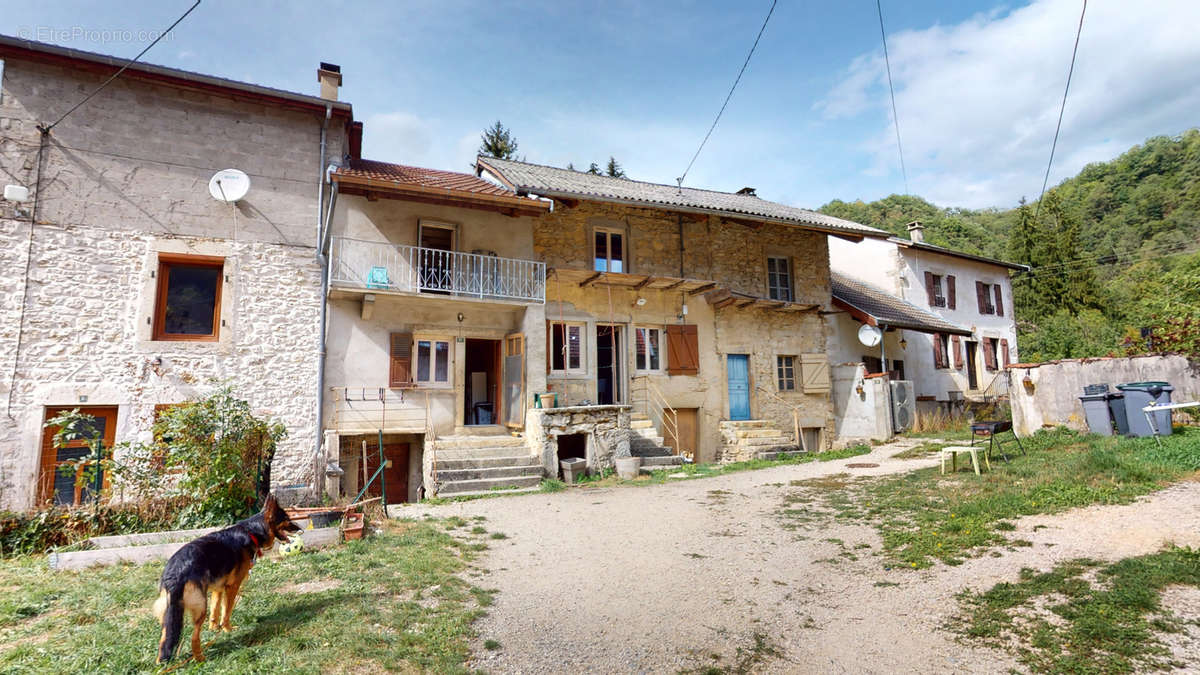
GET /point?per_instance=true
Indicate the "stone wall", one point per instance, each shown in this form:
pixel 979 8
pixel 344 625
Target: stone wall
pixel 1051 396
pixel 606 426
pixel 123 179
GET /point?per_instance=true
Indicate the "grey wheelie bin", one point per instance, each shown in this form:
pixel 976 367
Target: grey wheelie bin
pixel 1138 395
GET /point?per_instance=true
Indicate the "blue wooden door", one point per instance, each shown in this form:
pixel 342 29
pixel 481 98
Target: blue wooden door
pixel 738 366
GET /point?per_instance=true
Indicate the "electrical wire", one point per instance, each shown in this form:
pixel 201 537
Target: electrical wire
pixel 729 95
pixel 1061 110
pixel 123 68
pixel 1128 261
pixel 1155 248
pixel 892 91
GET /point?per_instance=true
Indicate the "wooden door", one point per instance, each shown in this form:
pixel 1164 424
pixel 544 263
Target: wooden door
pixel 54 486
pixel 512 401
pixel 395 474
pixel 972 365
pixel 687 428
pixel 738 373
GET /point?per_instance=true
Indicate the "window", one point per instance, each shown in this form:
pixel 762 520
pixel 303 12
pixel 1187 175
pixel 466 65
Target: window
pixel 986 293
pixel 933 289
pixel 433 362
pixel 786 370
pixel 610 251
pixel 566 348
pixel 990 346
pixel 188 302
pixel 941 355
pixel 649 353
pixel 779 279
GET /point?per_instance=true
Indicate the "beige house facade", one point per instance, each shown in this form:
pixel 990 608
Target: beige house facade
pixel 127 286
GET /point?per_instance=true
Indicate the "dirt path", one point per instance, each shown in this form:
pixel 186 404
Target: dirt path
pixel 697 573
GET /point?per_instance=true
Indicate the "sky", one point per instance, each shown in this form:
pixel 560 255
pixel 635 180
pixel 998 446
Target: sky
pixel 978 83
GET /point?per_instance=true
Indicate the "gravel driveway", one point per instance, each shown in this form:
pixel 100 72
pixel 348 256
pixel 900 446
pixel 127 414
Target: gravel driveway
pixel 702 573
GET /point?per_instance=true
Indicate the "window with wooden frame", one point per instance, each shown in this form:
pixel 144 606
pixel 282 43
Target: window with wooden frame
pixel 432 367
pixel 187 305
pixel 785 369
pixel 648 357
pixel 683 353
pixel 941 355
pixel 779 278
pixel 609 250
pixel 566 348
pixel 933 290
pixel 986 293
pixel 990 347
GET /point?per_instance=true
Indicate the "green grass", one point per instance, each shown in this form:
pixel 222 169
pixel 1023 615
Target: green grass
pixel 959 434
pixel 921 451
pixel 395 600
pixel 923 516
pixel 1104 626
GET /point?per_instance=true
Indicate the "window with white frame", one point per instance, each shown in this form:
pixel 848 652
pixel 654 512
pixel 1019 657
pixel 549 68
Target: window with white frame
pixel 779 278
pixel 566 348
pixel 649 357
pixel 609 250
pixel 432 365
pixel 786 371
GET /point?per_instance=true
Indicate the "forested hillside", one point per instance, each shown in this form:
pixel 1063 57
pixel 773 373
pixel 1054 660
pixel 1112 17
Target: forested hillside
pixel 1115 251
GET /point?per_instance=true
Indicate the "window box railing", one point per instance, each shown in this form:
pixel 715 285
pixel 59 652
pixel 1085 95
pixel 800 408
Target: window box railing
pixel 373 265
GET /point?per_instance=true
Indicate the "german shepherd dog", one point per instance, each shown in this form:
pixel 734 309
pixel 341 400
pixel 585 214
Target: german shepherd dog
pixel 215 564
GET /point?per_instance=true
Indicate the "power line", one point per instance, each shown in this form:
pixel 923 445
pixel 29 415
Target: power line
pixel 118 73
pixel 729 95
pixel 891 90
pixel 1040 272
pixel 1153 248
pixel 1061 110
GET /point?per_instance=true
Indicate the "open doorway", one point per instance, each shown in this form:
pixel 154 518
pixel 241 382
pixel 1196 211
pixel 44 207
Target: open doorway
pixel 972 370
pixel 483 380
pixel 608 365
pixel 570 446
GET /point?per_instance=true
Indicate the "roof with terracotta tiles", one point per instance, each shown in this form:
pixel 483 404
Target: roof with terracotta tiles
pixel 421 177
pixel 888 310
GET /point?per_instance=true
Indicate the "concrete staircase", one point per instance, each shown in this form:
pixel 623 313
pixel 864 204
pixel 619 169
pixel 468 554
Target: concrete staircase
pixel 471 465
pixel 645 442
pixel 753 439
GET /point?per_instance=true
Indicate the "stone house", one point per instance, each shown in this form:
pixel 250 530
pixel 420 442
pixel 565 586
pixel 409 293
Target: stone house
pixel 696 313
pixel 952 331
pixel 127 286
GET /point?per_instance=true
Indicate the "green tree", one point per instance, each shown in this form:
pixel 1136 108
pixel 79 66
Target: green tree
pixel 594 169
pixel 614 168
pixel 497 141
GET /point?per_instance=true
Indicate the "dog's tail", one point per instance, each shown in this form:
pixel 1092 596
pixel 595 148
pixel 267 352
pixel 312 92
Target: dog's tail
pixel 168 609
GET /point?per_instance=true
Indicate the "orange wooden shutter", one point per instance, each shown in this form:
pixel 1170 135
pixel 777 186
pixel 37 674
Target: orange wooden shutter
pixel 989 354
pixel 400 372
pixel 958 357
pixel 683 353
pixel 999 302
pixel 1004 349
pixel 981 296
pixel 939 351
pixel 929 294
pixel 951 299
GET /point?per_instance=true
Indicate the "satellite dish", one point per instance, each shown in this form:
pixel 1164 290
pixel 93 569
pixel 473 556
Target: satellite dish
pixel 869 335
pixel 229 185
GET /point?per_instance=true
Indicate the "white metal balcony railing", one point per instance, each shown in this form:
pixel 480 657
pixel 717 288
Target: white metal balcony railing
pixel 396 267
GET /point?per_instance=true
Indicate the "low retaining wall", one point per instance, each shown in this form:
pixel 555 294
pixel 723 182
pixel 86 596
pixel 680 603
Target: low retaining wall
pixel 859 417
pixel 606 427
pixel 1047 394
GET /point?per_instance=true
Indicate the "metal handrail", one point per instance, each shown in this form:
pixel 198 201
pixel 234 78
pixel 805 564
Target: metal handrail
pixel 656 401
pixel 375 265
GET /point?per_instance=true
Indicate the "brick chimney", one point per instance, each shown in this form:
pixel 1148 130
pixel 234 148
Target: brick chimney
pixel 916 231
pixel 330 77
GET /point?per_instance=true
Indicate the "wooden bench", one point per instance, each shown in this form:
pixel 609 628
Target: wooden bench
pixel 951 452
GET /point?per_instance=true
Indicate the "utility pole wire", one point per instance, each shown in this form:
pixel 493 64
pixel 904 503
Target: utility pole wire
pixel 118 73
pixel 891 90
pixel 729 95
pixel 1079 31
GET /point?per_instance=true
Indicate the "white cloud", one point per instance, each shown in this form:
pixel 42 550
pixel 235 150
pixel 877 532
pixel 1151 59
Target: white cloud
pixel 978 101
pixel 399 137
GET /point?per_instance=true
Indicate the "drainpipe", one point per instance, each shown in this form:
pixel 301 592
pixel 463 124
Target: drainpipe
pixel 322 225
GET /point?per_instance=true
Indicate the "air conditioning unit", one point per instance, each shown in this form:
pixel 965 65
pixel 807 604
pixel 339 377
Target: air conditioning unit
pixel 904 405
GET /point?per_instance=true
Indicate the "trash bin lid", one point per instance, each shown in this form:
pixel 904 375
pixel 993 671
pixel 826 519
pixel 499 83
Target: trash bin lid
pixel 1144 385
pixel 1093 397
pixel 1114 395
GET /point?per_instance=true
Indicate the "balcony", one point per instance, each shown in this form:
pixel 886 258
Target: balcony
pixel 381 267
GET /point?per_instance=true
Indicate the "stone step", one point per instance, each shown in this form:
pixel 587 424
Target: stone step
pixel 516 491
pixel 647 451
pixel 775 453
pixel 451 475
pixel 638 416
pixel 486 485
pixel 478 442
pixel 641 424
pixel 745 424
pixel 662 460
pixel 779 439
pixel 457 463
pixel 646 440
pixel 757 433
